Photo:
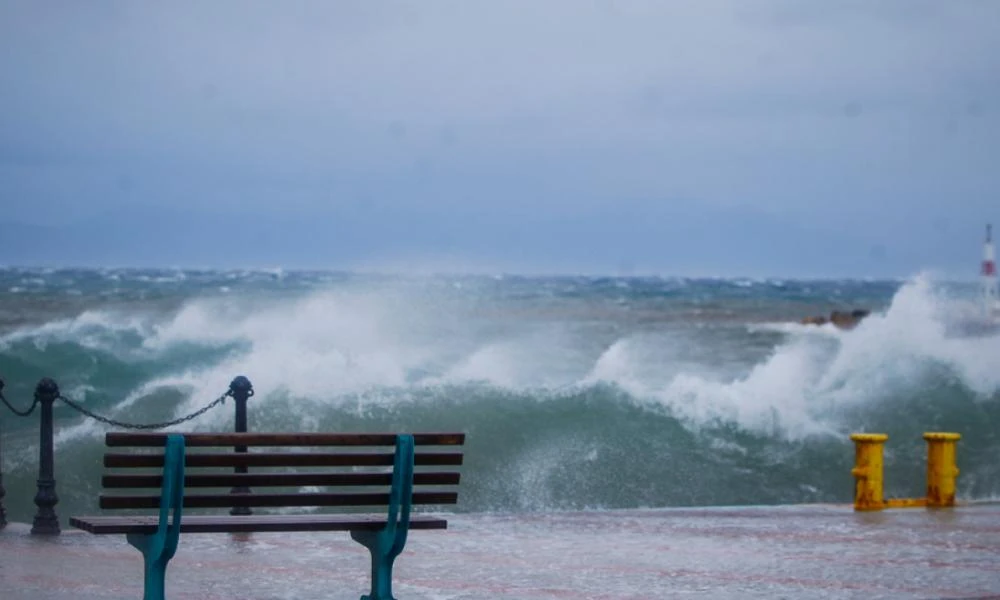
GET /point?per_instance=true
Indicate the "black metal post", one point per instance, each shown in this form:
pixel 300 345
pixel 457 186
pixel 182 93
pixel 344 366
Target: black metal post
pixel 3 492
pixel 46 522
pixel 241 390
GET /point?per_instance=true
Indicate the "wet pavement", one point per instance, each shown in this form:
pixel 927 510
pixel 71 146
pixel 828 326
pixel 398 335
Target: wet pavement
pixel 813 551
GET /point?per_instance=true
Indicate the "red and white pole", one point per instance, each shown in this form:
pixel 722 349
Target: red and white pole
pixel 991 301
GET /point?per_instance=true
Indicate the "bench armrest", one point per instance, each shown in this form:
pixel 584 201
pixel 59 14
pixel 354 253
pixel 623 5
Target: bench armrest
pixel 160 546
pixel 401 496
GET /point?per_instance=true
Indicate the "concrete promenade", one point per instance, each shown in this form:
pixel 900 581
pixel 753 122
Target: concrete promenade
pixel 814 551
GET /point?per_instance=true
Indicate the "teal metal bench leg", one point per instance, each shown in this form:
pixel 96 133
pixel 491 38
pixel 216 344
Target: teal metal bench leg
pixel 382 561
pixel 155 568
pixel 385 545
pixel 158 548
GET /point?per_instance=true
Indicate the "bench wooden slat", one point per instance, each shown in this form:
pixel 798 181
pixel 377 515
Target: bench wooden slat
pixel 276 500
pixel 252 523
pixel 277 479
pixel 281 459
pixel 171 486
pixel 120 439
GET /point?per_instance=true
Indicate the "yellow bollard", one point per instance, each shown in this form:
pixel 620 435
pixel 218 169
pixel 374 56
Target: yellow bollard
pixel 868 494
pixel 941 469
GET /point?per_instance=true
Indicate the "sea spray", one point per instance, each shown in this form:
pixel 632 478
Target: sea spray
pixel 575 392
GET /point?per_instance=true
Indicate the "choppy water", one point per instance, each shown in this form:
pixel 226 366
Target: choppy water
pixel 575 392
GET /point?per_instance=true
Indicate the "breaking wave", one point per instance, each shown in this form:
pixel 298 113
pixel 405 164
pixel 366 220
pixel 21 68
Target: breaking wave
pixel 573 392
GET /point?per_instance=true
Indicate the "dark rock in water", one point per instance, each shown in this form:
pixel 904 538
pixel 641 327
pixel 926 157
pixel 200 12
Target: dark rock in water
pixel 814 321
pixel 843 320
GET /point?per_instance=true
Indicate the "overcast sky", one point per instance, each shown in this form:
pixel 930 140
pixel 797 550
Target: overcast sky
pixel 728 137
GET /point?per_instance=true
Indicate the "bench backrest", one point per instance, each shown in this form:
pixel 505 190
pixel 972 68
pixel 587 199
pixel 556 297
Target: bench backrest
pixel 341 470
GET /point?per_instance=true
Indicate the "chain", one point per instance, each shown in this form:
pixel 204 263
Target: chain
pixel 123 425
pixel 18 412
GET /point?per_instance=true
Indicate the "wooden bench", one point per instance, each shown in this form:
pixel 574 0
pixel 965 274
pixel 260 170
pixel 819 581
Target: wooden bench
pixel 352 471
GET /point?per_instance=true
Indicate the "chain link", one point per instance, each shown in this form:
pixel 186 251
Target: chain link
pixel 221 399
pixel 18 412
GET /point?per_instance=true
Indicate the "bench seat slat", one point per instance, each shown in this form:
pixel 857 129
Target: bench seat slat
pixel 281 459
pixel 362 466
pixel 277 479
pixel 120 439
pixel 276 500
pixel 252 523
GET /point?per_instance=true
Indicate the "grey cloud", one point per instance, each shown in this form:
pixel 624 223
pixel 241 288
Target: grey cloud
pixel 847 115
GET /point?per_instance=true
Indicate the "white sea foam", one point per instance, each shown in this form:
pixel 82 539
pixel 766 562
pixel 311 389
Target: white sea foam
pixel 317 348
pixel 341 345
pixel 798 388
pixel 92 329
pixel 329 345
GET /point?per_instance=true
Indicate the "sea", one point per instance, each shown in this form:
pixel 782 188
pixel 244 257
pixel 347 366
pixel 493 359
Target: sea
pixel 576 393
